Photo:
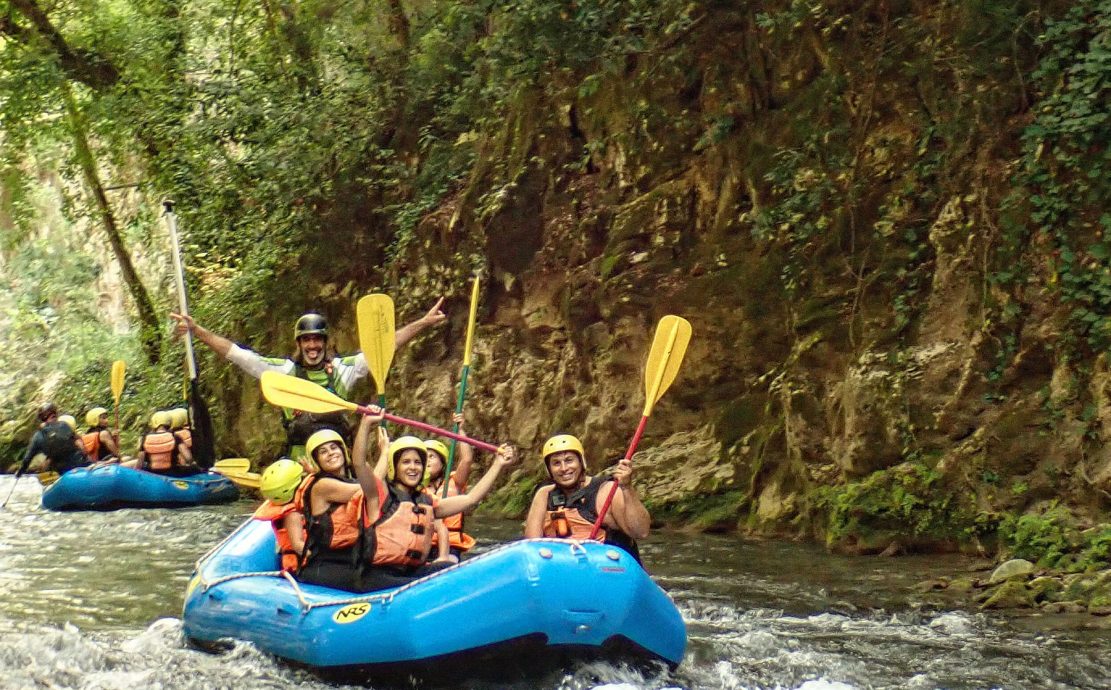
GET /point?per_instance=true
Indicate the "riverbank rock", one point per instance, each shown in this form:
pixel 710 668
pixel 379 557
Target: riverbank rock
pixel 1045 587
pixel 1016 567
pixel 1009 595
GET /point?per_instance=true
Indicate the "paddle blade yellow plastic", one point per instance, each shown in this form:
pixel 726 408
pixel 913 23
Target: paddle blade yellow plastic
pixel 298 394
pixel 375 314
pixel 119 369
pixel 471 318
pixel 244 480
pixel 669 345
pixel 232 465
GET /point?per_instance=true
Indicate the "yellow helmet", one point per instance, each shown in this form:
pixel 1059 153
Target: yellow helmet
pixel 438 446
pixel 404 443
pixel 92 417
pixel 70 420
pixel 563 442
pixel 160 418
pixel 280 480
pixel 323 436
pixel 179 417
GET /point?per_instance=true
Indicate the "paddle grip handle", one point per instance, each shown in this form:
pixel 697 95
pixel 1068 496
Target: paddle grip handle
pixel 481 445
pixel 613 487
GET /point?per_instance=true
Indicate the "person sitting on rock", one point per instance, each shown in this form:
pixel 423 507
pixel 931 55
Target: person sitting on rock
pixel 568 507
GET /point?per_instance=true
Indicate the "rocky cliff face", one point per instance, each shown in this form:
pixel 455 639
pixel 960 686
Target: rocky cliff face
pixel 830 225
pixel 840 198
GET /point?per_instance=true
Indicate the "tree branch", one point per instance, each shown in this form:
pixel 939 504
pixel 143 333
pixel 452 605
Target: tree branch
pixel 84 66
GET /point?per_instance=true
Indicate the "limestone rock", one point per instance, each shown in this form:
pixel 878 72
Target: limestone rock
pixel 1014 568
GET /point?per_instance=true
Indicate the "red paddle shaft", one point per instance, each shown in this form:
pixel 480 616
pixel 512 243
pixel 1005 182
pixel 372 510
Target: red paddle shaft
pixel 481 445
pixel 613 487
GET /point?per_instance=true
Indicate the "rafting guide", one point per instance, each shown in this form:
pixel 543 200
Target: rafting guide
pixel 311 361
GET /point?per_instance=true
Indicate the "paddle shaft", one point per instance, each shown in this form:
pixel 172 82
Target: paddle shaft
pixel 472 317
pixel 10 491
pixel 179 279
pixel 613 487
pixel 455 427
pixel 481 445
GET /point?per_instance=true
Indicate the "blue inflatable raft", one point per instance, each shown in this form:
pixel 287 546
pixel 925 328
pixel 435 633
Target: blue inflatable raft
pixel 518 608
pixel 112 486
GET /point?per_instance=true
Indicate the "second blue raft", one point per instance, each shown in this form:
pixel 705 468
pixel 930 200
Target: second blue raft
pixel 113 486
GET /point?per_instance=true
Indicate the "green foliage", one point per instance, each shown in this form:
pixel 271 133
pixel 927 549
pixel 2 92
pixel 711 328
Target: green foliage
pixel 1052 539
pixel 1066 171
pixel 906 499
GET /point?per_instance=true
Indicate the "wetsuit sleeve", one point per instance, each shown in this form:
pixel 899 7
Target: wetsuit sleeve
pixel 32 450
pixel 254 364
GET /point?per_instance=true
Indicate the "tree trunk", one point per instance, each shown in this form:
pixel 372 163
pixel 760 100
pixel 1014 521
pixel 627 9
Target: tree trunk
pixel 398 23
pixel 149 331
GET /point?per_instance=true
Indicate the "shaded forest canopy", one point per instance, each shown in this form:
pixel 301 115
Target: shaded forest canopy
pixel 885 220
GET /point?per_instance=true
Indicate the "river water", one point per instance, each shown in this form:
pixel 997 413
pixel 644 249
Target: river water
pixel 93 601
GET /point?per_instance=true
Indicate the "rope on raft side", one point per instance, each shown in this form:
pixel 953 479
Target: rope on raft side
pixel 370 598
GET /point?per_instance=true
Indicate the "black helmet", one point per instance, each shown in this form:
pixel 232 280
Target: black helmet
pixel 310 324
pixel 47 410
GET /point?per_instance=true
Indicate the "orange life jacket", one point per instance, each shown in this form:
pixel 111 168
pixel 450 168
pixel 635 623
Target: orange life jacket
pixel 161 450
pixel 402 534
pixel 457 538
pixel 91 441
pixel 185 436
pixel 333 534
pixel 275 513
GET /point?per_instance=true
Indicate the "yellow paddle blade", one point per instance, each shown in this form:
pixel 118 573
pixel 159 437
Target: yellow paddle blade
pixel 375 314
pixel 119 369
pixel 668 347
pixel 246 480
pixel 232 465
pixel 471 323
pixel 298 394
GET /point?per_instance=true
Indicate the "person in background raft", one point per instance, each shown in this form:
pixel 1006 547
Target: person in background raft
pixel 100 443
pixel 179 424
pixel 161 452
pixel 396 517
pixel 459 541
pixel 57 441
pixel 311 361
pixel 569 507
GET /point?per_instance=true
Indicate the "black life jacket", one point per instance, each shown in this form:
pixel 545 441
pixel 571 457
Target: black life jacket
pixel 300 425
pixel 584 501
pixel 322 542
